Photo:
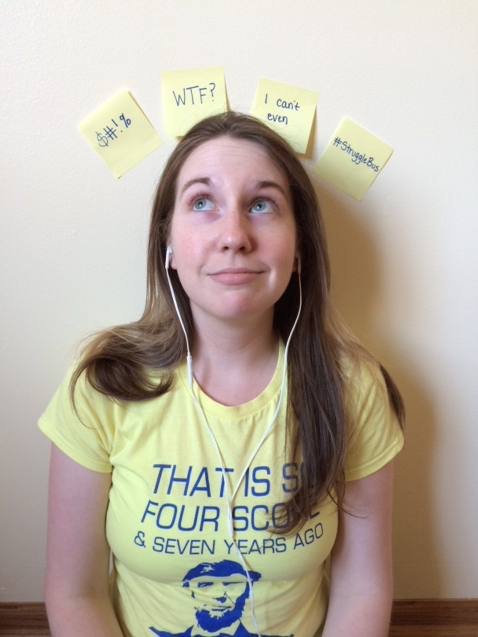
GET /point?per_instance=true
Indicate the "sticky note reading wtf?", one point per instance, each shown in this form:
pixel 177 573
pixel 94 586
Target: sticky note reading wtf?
pixel 191 95
pixel 352 159
pixel 120 133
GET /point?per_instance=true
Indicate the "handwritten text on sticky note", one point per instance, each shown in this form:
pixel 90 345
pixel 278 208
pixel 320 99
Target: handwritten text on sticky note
pixel 191 95
pixel 353 158
pixel 289 110
pixel 120 133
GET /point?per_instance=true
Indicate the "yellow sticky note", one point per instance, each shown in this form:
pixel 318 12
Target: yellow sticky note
pixel 287 109
pixel 191 95
pixel 120 133
pixel 353 158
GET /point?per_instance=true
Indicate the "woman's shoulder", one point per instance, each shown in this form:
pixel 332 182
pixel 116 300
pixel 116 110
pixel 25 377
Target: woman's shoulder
pixel 374 431
pixel 361 374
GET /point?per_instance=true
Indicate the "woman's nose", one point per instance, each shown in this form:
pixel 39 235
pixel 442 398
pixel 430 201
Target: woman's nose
pixel 235 231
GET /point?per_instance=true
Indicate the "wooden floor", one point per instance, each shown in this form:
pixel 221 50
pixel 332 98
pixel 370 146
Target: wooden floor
pixel 463 630
pixel 398 631
pixel 410 618
pixel 435 617
pixel 453 630
pixel 434 630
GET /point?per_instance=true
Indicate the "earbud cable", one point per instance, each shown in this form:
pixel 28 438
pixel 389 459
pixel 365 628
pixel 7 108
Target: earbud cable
pixel 230 499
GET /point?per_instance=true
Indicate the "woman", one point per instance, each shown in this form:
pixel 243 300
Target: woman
pixel 235 440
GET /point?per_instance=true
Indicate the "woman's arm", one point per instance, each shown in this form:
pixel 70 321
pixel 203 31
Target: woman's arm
pixel 76 584
pixel 361 567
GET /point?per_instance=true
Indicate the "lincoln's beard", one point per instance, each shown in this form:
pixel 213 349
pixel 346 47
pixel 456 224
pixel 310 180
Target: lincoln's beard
pixel 212 624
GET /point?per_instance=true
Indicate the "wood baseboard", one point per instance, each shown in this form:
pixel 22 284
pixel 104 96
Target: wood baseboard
pixel 28 618
pixel 23 618
pixel 435 611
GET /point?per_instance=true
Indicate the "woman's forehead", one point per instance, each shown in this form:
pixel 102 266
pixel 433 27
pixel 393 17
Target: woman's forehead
pixel 212 152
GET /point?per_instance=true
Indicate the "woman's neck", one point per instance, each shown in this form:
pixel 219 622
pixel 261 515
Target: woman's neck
pixel 234 364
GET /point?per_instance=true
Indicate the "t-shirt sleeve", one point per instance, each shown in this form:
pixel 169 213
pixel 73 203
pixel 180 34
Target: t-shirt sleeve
pixel 83 431
pixel 375 435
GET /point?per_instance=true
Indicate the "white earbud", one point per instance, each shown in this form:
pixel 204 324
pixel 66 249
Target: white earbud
pixel 169 252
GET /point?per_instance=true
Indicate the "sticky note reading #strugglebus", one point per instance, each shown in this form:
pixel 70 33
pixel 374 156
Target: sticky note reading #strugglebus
pixel 120 133
pixel 352 159
pixel 289 110
pixel 191 95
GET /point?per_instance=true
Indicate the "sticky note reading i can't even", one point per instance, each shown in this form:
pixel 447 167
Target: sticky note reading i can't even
pixel 191 95
pixel 120 133
pixel 287 109
pixel 352 159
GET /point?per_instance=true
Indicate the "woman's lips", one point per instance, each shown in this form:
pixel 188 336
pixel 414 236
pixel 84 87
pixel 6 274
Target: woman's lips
pixel 235 276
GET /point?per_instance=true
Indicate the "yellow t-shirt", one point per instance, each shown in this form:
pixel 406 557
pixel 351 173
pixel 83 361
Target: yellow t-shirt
pixel 175 568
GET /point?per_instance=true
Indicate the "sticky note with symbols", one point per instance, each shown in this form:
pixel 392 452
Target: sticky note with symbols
pixel 353 158
pixel 120 133
pixel 288 109
pixel 191 95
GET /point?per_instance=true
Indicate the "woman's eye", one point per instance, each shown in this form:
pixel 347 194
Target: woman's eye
pixel 202 203
pixel 262 205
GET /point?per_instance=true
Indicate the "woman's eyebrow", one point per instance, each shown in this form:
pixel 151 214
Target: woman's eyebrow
pixel 260 184
pixel 271 184
pixel 196 180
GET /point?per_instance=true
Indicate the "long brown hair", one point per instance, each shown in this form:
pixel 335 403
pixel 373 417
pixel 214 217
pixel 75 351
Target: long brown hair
pixel 118 362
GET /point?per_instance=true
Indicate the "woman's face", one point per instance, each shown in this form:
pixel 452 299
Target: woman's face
pixel 233 232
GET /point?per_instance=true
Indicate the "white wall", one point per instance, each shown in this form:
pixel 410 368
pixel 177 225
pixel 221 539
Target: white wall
pixel 405 259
